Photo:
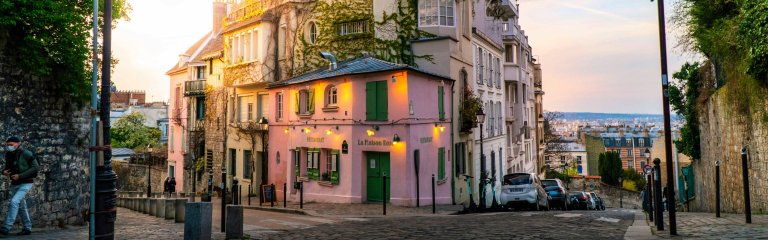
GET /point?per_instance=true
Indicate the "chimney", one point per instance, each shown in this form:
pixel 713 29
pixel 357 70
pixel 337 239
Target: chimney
pixel 219 12
pixel 645 132
pixel 183 58
pixel 621 132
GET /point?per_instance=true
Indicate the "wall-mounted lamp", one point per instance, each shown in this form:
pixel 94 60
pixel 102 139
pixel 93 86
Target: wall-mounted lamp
pixel 328 132
pixel 440 126
pixel 307 130
pixel 372 131
pixel 286 130
pixel 394 79
pixel 396 139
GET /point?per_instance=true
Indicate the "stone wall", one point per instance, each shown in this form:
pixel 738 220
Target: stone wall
pixel 723 133
pixel 56 130
pixel 133 177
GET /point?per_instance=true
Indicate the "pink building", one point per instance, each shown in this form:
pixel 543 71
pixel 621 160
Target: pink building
pixel 341 131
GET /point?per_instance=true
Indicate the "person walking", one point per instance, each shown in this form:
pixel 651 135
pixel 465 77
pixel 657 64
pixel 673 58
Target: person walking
pixel 21 167
pixel 172 185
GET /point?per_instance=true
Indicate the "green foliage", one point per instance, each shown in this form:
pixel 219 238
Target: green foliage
pixel 552 174
pixel 468 111
pixel 200 165
pixel 51 39
pixel 682 97
pixel 609 165
pixel 130 132
pixel 753 34
pixel 633 180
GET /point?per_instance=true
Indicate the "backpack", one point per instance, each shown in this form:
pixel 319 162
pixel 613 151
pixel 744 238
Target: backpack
pixel 29 162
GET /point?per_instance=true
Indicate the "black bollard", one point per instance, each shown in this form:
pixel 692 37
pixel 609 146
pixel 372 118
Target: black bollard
pixel 649 192
pixel 234 190
pixel 745 177
pixel 249 195
pixel 416 167
pixel 223 200
pixel 384 192
pixel 717 189
pixel 285 195
pixel 433 194
pixel 261 196
pixel 301 195
pixel 657 194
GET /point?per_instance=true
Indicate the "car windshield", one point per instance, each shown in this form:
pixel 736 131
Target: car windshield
pixel 549 183
pixel 517 179
pixel 551 188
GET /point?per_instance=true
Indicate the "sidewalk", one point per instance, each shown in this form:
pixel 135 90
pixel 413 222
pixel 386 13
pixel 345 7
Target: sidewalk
pixel 697 225
pixel 129 225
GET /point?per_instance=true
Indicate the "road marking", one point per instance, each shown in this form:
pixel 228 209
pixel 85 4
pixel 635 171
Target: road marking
pixel 357 219
pixel 568 215
pixel 605 219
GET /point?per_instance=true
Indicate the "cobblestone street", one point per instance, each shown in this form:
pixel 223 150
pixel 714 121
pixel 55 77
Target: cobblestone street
pixel 695 225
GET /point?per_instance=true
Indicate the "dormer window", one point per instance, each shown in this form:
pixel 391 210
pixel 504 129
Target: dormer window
pixel 436 13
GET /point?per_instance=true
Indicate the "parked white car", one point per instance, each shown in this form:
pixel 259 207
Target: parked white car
pixel 523 190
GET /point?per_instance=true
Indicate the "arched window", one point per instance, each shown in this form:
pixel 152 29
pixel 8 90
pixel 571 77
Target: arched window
pixel 331 96
pixel 312 32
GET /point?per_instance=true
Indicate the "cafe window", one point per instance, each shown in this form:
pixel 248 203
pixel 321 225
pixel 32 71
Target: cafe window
pixel 331 96
pixel 313 164
pixel 279 104
pixel 376 101
pixel 331 173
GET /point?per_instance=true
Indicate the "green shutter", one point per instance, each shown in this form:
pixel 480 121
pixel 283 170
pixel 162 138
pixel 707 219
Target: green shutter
pixel 382 102
pixel 441 163
pixel 440 105
pixel 370 101
pixel 311 101
pixel 335 174
pixel 297 101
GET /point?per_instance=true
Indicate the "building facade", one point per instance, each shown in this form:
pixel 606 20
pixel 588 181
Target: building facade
pixel 364 131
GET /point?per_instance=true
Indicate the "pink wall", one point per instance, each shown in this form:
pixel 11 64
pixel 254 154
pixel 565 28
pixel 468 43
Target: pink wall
pixel 176 154
pixel 417 88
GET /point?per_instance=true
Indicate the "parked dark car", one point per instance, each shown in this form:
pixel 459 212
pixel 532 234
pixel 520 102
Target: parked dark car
pixel 558 195
pixel 580 200
pixel 599 204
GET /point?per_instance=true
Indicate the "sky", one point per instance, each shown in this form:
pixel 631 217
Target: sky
pixel 596 55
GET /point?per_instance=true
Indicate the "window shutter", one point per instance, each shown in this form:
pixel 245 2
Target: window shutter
pixel 441 163
pixel 298 100
pixel 311 101
pixel 370 101
pixel 382 101
pixel 440 103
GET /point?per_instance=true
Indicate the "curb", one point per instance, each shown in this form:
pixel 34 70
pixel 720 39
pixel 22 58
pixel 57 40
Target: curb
pixel 316 214
pixel 640 228
pixel 283 210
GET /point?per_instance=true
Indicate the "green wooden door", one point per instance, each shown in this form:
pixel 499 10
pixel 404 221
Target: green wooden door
pixel 377 164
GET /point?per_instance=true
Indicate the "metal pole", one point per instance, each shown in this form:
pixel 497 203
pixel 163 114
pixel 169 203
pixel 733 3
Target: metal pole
pixel 717 189
pixel 433 193
pixel 384 192
pixel 249 195
pixel 272 195
pixel 210 185
pixel 745 177
pixel 657 194
pixel 149 180
pixel 106 179
pixel 285 195
pixel 649 193
pixel 301 195
pixel 621 193
pixel 482 172
pixel 667 128
pixel 223 199
pixel 416 167
pixel 94 109
pixel 685 189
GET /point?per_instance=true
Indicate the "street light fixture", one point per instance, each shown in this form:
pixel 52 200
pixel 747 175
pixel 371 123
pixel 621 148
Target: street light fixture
pixel 265 126
pixel 148 161
pixel 483 175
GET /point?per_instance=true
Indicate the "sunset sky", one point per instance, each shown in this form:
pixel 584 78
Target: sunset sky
pixel 596 55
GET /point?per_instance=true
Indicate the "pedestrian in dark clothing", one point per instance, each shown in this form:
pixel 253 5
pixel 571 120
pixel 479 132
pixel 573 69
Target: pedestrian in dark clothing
pixel 172 185
pixel 21 167
pixel 166 185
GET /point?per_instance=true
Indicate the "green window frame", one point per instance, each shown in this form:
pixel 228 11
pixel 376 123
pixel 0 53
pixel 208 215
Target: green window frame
pixel 376 101
pixel 313 164
pixel 335 155
pixel 441 163
pixel 440 101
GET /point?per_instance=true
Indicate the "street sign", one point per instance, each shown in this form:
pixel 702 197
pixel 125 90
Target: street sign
pixel 648 169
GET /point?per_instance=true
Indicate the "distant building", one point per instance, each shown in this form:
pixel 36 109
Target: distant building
pixel 633 148
pixel 572 155
pixel 594 146
pixel 124 99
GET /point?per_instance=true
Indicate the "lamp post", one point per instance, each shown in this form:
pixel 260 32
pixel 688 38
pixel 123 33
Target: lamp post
pixel 149 171
pixel 264 124
pixel 480 119
pixel 621 193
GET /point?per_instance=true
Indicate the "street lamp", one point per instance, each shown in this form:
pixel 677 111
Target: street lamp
pixel 480 120
pixel 621 193
pixel 149 171
pixel 264 127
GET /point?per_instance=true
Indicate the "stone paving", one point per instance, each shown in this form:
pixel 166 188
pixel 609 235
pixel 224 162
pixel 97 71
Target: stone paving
pixel 129 225
pixel 360 209
pixel 695 225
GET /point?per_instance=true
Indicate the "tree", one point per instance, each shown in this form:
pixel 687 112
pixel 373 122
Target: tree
pixel 52 39
pixel 609 164
pixel 554 143
pixel 130 132
pixel 683 97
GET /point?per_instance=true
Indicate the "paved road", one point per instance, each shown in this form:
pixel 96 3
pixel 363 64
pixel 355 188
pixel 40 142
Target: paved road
pixel 611 224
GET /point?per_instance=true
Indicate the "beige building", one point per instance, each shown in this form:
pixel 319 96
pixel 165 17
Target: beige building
pixel 658 151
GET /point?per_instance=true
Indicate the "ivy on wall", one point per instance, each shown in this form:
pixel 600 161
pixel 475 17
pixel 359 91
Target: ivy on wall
pixel 398 29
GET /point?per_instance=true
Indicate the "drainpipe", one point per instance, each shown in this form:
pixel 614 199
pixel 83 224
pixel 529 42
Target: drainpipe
pixel 277 50
pixel 453 150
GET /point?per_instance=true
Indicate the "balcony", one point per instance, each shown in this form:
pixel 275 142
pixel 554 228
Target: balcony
pixel 502 9
pixel 194 88
pixel 511 72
